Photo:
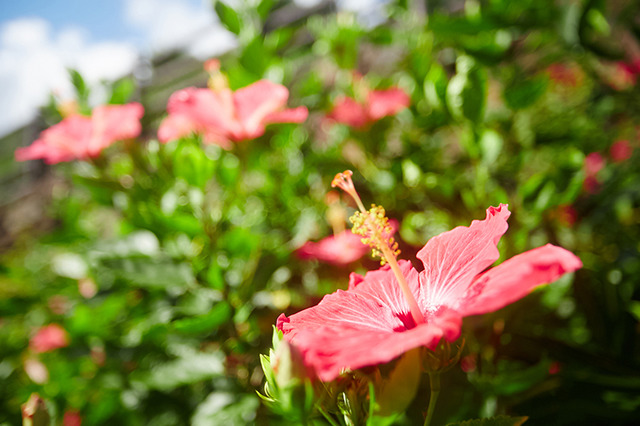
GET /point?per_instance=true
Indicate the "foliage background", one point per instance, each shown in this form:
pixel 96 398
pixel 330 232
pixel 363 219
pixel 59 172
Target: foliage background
pixel 192 248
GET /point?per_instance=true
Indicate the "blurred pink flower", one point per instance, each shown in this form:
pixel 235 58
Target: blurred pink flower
pixel 623 75
pixel 469 363
pixel 566 214
pixel 565 74
pixel 72 418
pixel 371 323
pixel 620 151
pixel 223 116
pixel 379 104
pixel 36 371
pixel 555 367
pixel 340 249
pixel 49 338
pixel 80 137
pixel 592 165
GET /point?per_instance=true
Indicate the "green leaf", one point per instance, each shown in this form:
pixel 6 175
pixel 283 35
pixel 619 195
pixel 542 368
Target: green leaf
pixel 634 309
pixel 435 87
pixel 226 408
pixel 191 368
pixel 192 164
pixel 218 315
pixel 151 273
pixel 228 17
pixel 264 7
pixel 522 94
pixel 82 90
pixel 214 276
pixel 467 91
pixel 491 145
pixel 122 91
pixel 492 421
pixel 255 57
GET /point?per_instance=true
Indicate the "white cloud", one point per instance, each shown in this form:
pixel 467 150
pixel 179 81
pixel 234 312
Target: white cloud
pixel 370 12
pixel 34 62
pixel 174 24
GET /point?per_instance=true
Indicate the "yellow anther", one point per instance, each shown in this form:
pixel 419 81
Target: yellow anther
pixel 373 226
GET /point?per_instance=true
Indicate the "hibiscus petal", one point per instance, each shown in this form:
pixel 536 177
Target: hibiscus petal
pixel 340 249
pixel 206 110
pixel 175 127
pixel 111 123
pixel 257 101
pixel 65 141
pixel 291 115
pixel 347 111
pixel 453 258
pixel 342 310
pixel 382 103
pixel 515 278
pixel 382 286
pixel 329 351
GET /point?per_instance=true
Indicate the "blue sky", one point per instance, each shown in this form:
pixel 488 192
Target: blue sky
pixel 104 19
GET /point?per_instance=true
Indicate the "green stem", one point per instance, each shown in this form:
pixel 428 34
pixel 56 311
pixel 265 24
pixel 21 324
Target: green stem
pixel 434 381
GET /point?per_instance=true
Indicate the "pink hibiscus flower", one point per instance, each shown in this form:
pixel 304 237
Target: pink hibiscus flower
pixel 340 249
pixel 592 165
pixel 80 137
pixel 621 151
pixel 379 104
pixel 72 418
pixel 222 116
pixel 49 338
pixel 372 322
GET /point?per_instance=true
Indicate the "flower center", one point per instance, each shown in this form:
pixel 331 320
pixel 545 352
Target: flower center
pixel 373 226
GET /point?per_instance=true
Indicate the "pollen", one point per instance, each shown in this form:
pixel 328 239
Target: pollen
pixel 376 232
pixel 373 226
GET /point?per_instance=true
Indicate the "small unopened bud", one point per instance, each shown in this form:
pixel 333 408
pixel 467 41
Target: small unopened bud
pixel 34 412
pixel 442 358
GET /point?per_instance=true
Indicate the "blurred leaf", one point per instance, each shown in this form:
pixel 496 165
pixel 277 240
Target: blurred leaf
pixel 228 17
pixel 467 91
pixel 190 368
pixel 522 94
pixel 514 380
pixel 122 91
pixel 491 146
pixel 435 87
pixel 82 91
pixel 264 7
pixel 493 421
pixel 214 276
pixel 219 314
pixel 240 242
pixel 192 164
pixel 255 58
pixel 153 273
pixel 229 169
pixel 634 309
pixel 226 408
